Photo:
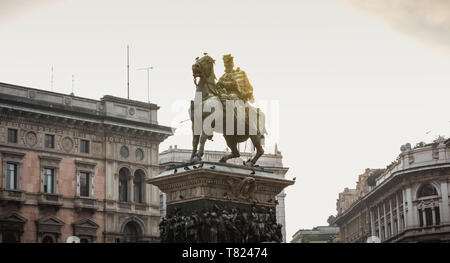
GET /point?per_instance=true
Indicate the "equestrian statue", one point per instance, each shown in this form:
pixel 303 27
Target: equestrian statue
pixel 230 96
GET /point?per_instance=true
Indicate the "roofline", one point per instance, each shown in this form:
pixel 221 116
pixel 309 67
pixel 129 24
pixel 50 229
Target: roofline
pixel 106 97
pixel 384 183
pixel 87 115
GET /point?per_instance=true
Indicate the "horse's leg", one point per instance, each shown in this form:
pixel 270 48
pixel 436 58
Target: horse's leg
pixel 203 139
pixel 195 141
pixel 256 140
pixel 195 138
pixel 234 150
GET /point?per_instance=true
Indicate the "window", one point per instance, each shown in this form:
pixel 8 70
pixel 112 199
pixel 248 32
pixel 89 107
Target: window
pixel 49 176
pixel 139 154
pixel 10 237
pixel 84 146
pixel 49 141
pixel 84 184
pixel 131 232
pixel 85 172
pixel 124 152
pixel 438 215
pixel 12 135
pixel 427 190
pixel 124 174
pixel 429 216
pixel 137 184
pixel 11 176
pixel 47 239
pixel 84 240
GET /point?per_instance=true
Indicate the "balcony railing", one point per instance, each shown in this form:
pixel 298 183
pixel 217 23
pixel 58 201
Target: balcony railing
pixel 50 200
pixel 12 196
pixel 85 203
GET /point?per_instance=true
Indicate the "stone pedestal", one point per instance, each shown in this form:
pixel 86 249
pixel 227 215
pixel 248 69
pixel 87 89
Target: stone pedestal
pixel 215 202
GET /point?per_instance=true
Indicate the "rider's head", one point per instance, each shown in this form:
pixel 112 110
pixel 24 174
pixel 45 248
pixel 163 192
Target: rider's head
pixel 228 63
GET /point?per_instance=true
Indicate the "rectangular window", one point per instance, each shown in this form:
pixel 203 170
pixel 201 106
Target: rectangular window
pixel 123 185
pixel 429 216
pixel 84 146
pixel 49 141
pixel 49 175
pixel 12 135
pixel 84 184
pixel 137 192
pixel 11 173
pixel 438 215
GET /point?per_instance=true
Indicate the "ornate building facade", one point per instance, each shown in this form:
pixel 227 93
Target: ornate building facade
pixel 73 166
pixel 406 202
pixel 270 162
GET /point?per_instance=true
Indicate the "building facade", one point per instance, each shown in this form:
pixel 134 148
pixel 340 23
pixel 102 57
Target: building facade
pixel 73 166
pixel 407 201
pixel 319 234
pixel 270 162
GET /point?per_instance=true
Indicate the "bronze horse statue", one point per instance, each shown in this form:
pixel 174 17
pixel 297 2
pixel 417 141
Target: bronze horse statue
pixel 203 69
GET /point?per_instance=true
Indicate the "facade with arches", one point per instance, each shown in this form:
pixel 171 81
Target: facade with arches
pixel 408 202
pixel 72 166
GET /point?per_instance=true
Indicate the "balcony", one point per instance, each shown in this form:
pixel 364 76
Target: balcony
pixel 50 200
pixel 85 203
pixel 12 196
pixel 421 234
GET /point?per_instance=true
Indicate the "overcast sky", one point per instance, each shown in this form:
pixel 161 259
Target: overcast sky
pixel 353 80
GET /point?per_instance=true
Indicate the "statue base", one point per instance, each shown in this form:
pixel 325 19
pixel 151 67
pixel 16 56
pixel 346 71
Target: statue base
pixel 217 202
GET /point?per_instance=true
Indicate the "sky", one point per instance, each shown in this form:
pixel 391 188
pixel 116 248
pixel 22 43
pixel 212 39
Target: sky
pixel 345 82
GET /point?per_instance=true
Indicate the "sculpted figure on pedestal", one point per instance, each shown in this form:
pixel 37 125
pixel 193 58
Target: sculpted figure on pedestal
pixel 243 189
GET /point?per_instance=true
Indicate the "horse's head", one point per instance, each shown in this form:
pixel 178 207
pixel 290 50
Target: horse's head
pixel 203 67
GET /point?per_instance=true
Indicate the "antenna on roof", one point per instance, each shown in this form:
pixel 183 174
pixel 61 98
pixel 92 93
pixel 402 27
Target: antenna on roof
pixel 51 81
pixel 128 71
pixel 73 84
pixel 148 80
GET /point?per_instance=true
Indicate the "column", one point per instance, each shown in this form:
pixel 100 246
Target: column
pixel 445 216
pixel 379 222
pixel 409 216
pixel 434 216
pixel 372 223
pixel 392 217
pixel 399 224
pixel 424 217
pixel 385 220
pixel 404 208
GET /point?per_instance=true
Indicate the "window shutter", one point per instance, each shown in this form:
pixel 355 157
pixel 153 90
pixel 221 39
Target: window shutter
pixel 78 183
pixel 91 178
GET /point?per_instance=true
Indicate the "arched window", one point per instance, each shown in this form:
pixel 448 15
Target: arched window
pixel 138 180
pixel 426 190
pixel 10 237
pixel 131 232
pixel 124 175
pixel 428 212
pixel 48 239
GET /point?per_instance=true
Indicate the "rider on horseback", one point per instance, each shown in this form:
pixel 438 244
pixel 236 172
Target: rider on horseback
pixel 234 84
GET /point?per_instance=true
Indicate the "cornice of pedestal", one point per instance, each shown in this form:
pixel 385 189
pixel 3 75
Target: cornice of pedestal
pixel 219 181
